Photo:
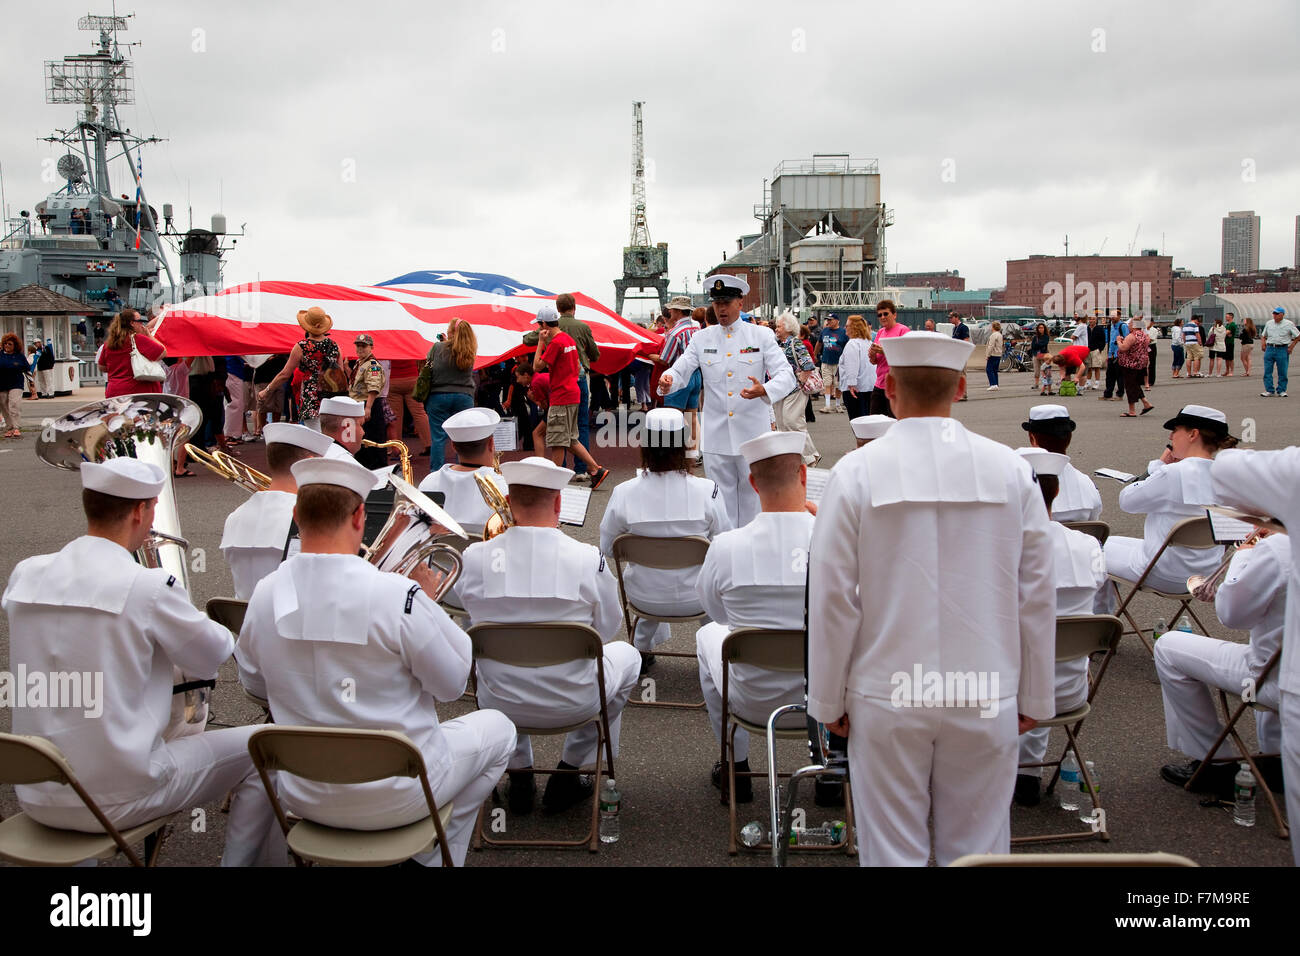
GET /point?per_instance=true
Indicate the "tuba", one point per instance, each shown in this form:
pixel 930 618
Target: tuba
pixel 147 427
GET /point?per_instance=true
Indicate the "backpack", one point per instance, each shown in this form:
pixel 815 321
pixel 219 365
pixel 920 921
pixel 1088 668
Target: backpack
pixel 1068 388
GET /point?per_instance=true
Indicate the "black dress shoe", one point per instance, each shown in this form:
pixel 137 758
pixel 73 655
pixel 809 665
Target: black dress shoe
pixel 566 789
pixel 522 790
pixel 828 791
pixel 1217 779
pixel 1271 768
pixel 647 662
pixel 744 785
pixel 1028 793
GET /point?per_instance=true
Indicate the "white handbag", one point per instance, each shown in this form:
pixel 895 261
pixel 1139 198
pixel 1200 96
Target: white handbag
pixel 145 369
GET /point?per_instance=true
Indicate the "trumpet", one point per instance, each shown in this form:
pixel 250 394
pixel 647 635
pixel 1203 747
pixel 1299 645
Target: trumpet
pixel 231 468
pixel 1205 588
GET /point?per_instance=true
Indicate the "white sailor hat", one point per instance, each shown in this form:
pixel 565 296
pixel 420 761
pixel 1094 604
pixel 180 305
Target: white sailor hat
pixel 1200 416
pixel 334 471
pixel 1051 419
pixel 665 428
pixel 723 286
pixel 535 472
pixel 344 406
pixel 927 350
pixel 771 444
pixel 1044 462
pixel 286 433
pixel 123 478
pixel 547 313
pixel 472 424
pixel 868 427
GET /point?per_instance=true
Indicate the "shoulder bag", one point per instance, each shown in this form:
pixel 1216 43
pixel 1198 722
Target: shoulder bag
pixel 145 369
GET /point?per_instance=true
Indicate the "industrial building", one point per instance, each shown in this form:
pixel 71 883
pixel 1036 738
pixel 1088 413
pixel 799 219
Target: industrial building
pixel 1063 285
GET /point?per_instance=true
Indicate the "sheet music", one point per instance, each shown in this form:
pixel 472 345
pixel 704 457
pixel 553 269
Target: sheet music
pixel 1228 530
pixel 817 478
pixel 1121 476
pixel 573 505
pixel 505 436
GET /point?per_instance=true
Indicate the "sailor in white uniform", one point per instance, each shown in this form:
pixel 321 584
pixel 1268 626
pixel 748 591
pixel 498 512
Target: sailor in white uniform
pixel 931 562
pixel 1079 572
pixel 1265 482
pixel 740 362
pixel 1178 487
pixel 533 573
pixel 331 641
pixel 664 501
pixel 254 537
pixel 122 628
pixel 470 432
pixel 343 420
pixel 756 576
pixel 1051 428
pixel 1191 666
pixel 867 428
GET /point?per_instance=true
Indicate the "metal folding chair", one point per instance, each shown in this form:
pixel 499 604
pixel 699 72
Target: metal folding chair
pixel 229 613
pixel 1098 529
pixel 662 554
pixel 830 766
pixel 29 760
pixel 542 645
pixel 1231 717
pixel 448 602
pixel 1189 533
pixel 1080 635
pixel 345 756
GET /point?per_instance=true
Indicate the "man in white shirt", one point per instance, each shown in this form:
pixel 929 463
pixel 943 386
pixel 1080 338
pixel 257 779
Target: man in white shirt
pixel 929 502
pixel 343 420
pixel 1051 428
pixel 91 610
pixel 1279 335
pixel 756 576
pixel 331 641
pixel 740 362
pixel 534 573
pixel 254 537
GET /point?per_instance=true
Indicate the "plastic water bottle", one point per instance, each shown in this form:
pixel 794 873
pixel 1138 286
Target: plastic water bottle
pixel 752 834
pixel 610 801
pixel 828 834
pixel 1160 628
pixel 1185 624
pixel 1086 810
pixel 1067 789
pixel 1243 811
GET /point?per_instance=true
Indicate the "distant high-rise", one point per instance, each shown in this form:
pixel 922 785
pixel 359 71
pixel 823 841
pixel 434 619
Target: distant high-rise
pixel 1240 242
pixel 1297 243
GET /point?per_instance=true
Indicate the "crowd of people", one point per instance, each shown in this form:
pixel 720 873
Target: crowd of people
pixel 927 779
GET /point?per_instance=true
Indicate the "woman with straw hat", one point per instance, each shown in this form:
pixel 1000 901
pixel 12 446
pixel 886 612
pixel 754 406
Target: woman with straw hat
pixel 313 354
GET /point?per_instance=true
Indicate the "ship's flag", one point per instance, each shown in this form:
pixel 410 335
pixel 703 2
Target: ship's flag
pixel 139 198
pixel 404 315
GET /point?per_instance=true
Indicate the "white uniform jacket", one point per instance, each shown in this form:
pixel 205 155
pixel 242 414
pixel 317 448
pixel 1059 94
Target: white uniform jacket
pixel 1170 494
pixel 331 641
pixel 755 576
pixel 1252 597
pixel 464 501
pixel 91 609
pixel 254 537
pixel 727 357
pixel 1078 499
pixel 931 549
pixel 663 505
pixel 528 575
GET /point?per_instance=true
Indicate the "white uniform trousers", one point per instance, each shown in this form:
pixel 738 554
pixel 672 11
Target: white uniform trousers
pixel 622 667
pixel 1126 559
pixel 1071 692
pixel 903 758
pixel 731 473
pixel 1290 713
pixel 208 766
pixel 647 635
pixel 752 693
pixel 1191 667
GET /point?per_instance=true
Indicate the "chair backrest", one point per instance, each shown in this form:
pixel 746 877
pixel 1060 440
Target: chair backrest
pixel 335 754
pixel 1073 859
pixel 1192 533
pixel 535 645
pixel 774 650
pixel 228 612
pixel 28 760
pixel 1098 529
pixel 663 554
pixel 1079 635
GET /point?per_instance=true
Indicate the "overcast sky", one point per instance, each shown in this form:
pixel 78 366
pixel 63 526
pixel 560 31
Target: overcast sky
pixel 360 141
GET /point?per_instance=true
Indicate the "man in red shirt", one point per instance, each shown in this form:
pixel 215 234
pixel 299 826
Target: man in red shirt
pixel 1073 360
pixel 558 354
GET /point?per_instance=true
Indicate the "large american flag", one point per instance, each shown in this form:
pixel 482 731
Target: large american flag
pixel 404 315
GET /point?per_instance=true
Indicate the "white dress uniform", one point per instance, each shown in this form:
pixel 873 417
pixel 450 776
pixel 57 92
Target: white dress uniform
pixel 662 505
pixel 1171 493
pixel 528 575
pixel 727 357
pixel 464 501
pixel 91 609
pixel 331 641
pixel 754 576
pixel 254 537
pixel 1251 597
pixel 1267 481
pixel 1078 499
pixel 932 555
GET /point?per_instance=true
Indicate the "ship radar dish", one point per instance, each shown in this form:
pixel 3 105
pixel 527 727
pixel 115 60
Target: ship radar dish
pixel 71 168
